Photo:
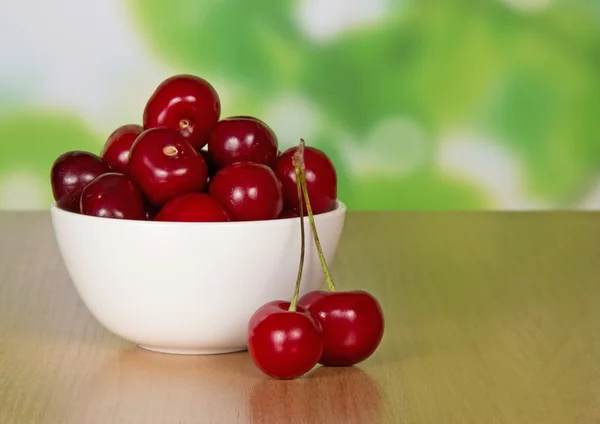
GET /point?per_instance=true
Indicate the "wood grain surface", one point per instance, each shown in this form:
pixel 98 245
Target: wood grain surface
pixel 491 318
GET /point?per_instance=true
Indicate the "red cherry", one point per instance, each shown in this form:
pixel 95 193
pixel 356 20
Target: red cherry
pixel 284 344
pixel 70 173
pixel 113 195
pixel 166 166
pixel 321 179
pixel 193 207
pixel 242 139
pixel 116 149
pixel 185 103
pixel 352 323
pixel 288 213
pixel 249 191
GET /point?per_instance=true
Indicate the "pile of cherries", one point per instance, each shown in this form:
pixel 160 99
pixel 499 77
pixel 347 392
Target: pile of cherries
pixel 186 164
pixel 332 328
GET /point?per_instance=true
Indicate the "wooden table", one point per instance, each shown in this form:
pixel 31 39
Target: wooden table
pixel 491 318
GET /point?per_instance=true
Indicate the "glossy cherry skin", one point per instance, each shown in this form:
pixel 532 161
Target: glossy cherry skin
pixel 352 323
pixel 113 195
pixel 284 344
pixel 70 173
pixel 249 191
pixel 242 139
pixel 116 149
pixel 193 207
pixel 187 104
pixel 321 180
pixel 166 166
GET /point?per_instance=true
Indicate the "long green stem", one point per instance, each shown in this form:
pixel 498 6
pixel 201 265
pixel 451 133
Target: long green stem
pixel 294 302
pixel 299 168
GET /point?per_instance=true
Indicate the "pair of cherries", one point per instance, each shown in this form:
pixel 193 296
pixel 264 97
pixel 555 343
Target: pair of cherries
pixel 287 339
pixel 162 171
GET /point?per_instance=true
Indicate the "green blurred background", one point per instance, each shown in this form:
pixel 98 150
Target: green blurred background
pixel 421 104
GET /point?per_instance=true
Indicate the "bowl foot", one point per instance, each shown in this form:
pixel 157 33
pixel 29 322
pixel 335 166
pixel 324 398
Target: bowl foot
pixel 193 351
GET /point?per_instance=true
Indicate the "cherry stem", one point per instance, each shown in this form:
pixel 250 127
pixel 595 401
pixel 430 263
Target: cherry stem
pixel 294 302
pixel 170 150
pixel 299 168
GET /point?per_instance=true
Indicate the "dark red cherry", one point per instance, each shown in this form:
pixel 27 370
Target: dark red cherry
pixel 249 191
pixel 193 207
pixel 213 168
pixel 321 180
pixel 284 344
pixel 70 173
pixel 151 211
pixel 113 195
pixel 352 323
pixel 116 149
pixel 187 104
pixel 166 166
pixel 288 213
pixel 242 139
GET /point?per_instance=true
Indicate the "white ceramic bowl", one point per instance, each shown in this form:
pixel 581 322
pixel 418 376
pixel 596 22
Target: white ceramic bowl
pixel 188 288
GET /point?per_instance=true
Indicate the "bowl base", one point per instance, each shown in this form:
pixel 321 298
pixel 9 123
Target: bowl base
pixel 193 351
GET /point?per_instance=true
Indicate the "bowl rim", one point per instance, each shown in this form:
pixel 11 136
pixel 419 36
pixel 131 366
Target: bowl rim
pixel 339 210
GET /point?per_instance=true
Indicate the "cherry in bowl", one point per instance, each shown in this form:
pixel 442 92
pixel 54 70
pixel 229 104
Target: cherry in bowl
pixel 321 179
pixel 115 152
pixel 71 173
pixel 193 207
pixel 113 195
pixel 249 191
pixel 166 166
pixel 185 103
pixel 288 213
pixel 242 139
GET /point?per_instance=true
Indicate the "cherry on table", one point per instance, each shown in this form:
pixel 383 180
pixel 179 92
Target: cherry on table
pixel 284 340
pixel 166 166
pixel 118 145
pixel 113 195
pixel 187 104
pixel 284 344
pixel 352 323
pixel 321 179
pixel 242 139
pixel 71 173
pixel 249 191
pixel 193 207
